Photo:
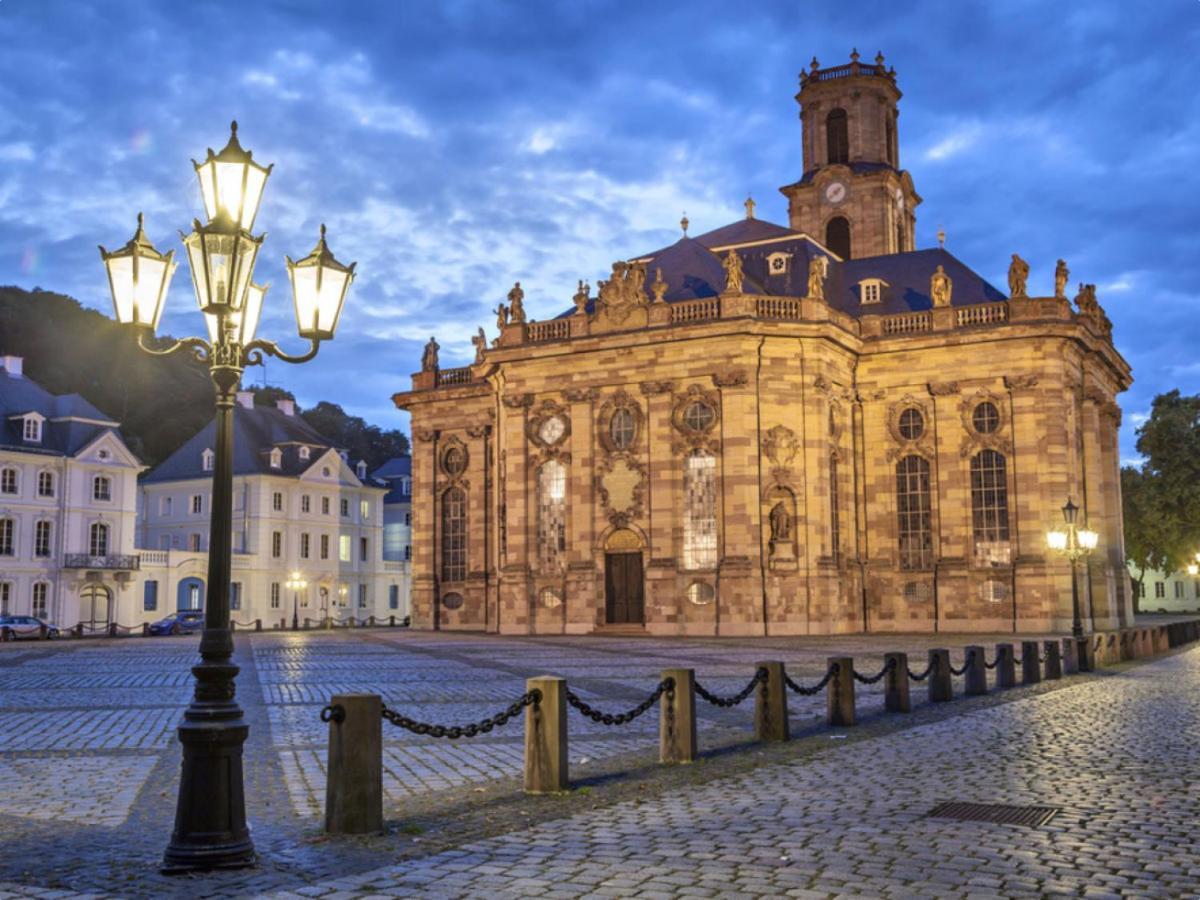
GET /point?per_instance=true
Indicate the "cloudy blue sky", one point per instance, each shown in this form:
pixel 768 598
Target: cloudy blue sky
pixel 455 147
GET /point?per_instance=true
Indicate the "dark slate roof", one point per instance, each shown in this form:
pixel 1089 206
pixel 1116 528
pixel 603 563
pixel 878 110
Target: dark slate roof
pixel 65 437
pixel 255 432
pixel 392 474
pixel 692 271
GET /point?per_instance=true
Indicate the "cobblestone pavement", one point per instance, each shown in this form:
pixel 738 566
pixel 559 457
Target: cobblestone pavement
pixel 89 763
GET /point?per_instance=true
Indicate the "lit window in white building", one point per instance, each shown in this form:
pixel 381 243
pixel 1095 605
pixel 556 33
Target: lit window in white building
pixel 364 510
pixel 206 460
pixel 276 458
pixel 344 547
pixel 305 452
pixel 700 511
pixel 33 429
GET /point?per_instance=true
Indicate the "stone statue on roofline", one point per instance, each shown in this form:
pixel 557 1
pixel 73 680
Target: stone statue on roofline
pixel 1061 276
pixel 582 296
pixel 818 269
pixel 732 263
pixel 516 303
pixel 940 287
pixel 1018 274
pixel 429 360
pixel 480 342
pixel 501 316
pixel 658 286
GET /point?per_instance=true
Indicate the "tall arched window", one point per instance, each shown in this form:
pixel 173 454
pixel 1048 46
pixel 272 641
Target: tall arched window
pixel 914 511
pixel 98 540
pixel 41 599
pixel 837 236
pixel 989 506
pixel 454 535
pixel 700 511
pixel 837 137
pixel 6 537
pixel 900 237
pixel 552 512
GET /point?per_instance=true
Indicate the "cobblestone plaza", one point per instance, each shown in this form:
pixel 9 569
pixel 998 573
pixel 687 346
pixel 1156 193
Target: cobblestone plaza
pixel 89 766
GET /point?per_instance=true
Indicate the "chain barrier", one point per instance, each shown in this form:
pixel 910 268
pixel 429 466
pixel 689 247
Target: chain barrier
pixel 991 665
pixel 727 702
pixel 335 712
pixel 966 665
pixel 530 698
pixel 1017 660
pixel 873 679
pixel 933 664
pixel 819 686
pixel 619 718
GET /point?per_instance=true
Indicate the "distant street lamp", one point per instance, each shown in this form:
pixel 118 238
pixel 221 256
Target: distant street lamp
pixel 295 584
pixel 1194 568
pixel 1074 542
pixel 210 816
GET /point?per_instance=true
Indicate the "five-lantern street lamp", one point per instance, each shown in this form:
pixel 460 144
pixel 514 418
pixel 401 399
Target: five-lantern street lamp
pixel 1074 541
pixel 210 817
pixel 295 584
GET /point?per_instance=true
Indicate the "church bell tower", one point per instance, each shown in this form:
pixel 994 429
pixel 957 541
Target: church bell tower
pixel 854 198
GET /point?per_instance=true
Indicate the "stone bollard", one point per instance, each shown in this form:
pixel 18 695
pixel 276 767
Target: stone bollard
pixel 1070 656
pixel 1158 639
pixel 78 629
pixel 391 621
pixel 112 629
pixel 546 737
pixel 145 629
pixel 976 680
pixel 1031 666
pixel 895 683
pixel 1173 635
pixel 677 718
pixel 1146 642
pixel 1053 660
pixel 770 705
pixel 1006 668
pixel 941 679
pixel 1125 642
pixel 839 695
pixel 354 785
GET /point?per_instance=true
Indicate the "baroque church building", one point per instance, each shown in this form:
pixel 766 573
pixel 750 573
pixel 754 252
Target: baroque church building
pixel 768 430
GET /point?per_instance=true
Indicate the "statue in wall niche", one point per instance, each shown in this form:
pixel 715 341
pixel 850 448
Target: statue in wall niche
pixel 480 342
pixel 781 523
pixel 501 316
pixel 659 287
pixel 581 298
pixel 732 263
pixel 1018 274
pixel 818 268
pixel 940 287
pixel 516 303
pixel 429 360
pixel 1061 276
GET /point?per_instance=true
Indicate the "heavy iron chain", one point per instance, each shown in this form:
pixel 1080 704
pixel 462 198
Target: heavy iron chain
pixel 887 667
pixel 933 664
pixel 819 686
pixel 991 665
pixel 727 702
pixel 966 665
pixel 529 698
pixel 619 718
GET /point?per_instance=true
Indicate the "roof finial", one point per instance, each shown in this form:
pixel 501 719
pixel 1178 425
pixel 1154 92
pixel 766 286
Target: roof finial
pixel 233 127
pixel 322 231
pixel 141 221
pixel 749 204
pixel 814 65
pixel 941 238
pixel 854 55
pixel 683 223
pixel 879 58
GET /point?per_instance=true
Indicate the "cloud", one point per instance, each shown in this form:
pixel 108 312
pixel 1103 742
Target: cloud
pixel 20 151
pixel 959 141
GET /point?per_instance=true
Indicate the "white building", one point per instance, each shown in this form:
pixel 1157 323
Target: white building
pixel 68 494
pixel 1176 592
pixel 299 509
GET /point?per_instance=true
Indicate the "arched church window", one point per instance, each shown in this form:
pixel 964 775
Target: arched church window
pixel 454 535
pixel 552 512
pixel 913 509
pixel 837 137
pixel 622 428
pixel 700 511
pixel 989 505
pixel 837 236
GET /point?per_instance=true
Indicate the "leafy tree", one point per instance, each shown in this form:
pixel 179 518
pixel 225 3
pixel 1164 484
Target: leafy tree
pixel 1170 441
pixel 352 433
pixel 1147 536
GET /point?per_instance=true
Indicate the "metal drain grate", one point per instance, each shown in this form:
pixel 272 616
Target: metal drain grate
pixel 997 814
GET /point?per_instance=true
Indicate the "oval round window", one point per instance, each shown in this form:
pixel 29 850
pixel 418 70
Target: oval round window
pixel 622 428
pixel 455 461
pixel 699 416
pixel 986 418
pixel 912 424
pixel 452 601
pixel 552 430
pixel 701 593
pixel 550 598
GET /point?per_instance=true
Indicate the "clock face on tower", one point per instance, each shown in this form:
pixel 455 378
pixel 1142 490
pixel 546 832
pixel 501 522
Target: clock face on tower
pixel 836 192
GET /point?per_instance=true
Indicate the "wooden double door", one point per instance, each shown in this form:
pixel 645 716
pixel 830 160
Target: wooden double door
pixel 624 602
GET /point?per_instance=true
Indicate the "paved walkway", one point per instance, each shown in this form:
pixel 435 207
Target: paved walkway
pixel 86 732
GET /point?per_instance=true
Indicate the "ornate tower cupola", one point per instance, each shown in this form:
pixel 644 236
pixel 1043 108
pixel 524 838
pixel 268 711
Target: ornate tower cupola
pixel 854 197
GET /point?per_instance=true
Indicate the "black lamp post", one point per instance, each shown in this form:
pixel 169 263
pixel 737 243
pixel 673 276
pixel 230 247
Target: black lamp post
pixel 210 816
pixel 296 584
pixel 1075 543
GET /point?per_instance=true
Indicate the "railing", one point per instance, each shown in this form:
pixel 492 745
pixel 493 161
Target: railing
pixel 554 330
pixel 112 561
pixel 154 557
pixel 454 376
pixel 907 323
pixel 778 308
pixel 847 70
pixel 696 310
pixel 984 314
pixel 392 565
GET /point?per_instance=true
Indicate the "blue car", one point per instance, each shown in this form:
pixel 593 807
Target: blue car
pixel 184 622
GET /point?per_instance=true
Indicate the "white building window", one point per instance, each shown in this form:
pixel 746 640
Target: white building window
pixel 98 540
pixel 324 506
pixel 552 512
pixel 197 504
pixel 7 526
pixel 102 488
pixel 305 503
pixel 274 595
pixel 206 460
pixel 33 429
pixel 304 452
pixel 41 539
pixel 235 595
pixel 277 501
pixel 324 546
pixel 276 544
pixel 362 596
pixel 41 599
pixel 45 484
pixel 304 546
pixel 345 508
pixel 8 481
pixel 364 510
pixel 164 542
pixel 276 458
pixel 361 470
pixel 5 597
pixel 194 542
pixel 344 547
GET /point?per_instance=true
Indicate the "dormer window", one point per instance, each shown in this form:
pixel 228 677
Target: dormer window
pixel 276 458
pixel 304 452
pixel 871 290
pixel 32 431
pixel 361 470
pixel 206 459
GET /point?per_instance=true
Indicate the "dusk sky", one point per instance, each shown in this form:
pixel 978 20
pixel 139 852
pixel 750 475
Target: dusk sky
pixel 454 148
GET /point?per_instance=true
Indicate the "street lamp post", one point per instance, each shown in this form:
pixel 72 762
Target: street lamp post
pixel 1075 542
pixel 295 584
pixel 210 816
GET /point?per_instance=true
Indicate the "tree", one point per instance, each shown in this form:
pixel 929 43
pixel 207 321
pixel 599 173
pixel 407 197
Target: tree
pixel 1146 533
pixel 1170 441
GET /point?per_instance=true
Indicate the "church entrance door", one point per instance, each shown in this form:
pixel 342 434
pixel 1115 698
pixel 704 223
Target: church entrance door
pixel 623 585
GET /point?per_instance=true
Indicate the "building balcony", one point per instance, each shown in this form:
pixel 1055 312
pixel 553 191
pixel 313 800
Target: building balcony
pixel 114 562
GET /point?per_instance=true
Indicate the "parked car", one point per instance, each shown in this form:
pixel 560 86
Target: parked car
pixel 14 627
pixel 184 622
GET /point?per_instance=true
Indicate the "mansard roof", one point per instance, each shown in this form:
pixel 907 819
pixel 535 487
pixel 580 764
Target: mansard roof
pixel 256 432
pixel 71 423
pixel 393 474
